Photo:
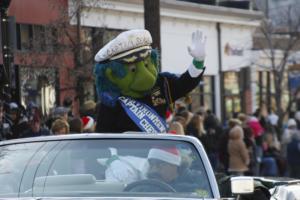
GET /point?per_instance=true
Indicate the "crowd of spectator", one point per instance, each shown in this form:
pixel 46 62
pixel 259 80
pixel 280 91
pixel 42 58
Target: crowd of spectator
pixel 244 145
pixel 252 145
pixel 17 121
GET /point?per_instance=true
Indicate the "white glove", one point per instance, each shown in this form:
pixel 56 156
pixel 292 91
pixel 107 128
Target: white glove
pixel 197 49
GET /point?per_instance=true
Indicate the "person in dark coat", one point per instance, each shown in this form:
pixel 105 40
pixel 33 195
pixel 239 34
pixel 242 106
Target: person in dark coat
pixel 293 156
pixel 35 128
pixel 18 119
pixel 4 125
pixel 213 133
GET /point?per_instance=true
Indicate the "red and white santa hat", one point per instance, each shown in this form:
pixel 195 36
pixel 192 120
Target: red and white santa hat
pixel 169 116
pixel 170 155
pixel 88 122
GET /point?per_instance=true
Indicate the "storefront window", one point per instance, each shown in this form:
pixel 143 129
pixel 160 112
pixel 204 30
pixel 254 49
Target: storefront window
pixel 266 93
pixel 208 93
pixel 195 94
pixel 38 86
pixel 203 95
pixel 36 37
pixel 231 83
pixel 25 36
pixel 261 88
pixel 285 92
pixel 39 38
pixel 232 99
pixel 272 83
pixel 209 102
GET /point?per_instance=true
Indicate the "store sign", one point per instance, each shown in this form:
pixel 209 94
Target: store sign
pixel 233 50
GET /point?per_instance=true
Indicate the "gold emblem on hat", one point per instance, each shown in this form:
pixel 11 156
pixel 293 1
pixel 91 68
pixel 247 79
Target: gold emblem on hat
pixel 130 60
pixel 145 54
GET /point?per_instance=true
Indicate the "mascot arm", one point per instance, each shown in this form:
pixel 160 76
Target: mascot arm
pixel 180 86
pixel 194 72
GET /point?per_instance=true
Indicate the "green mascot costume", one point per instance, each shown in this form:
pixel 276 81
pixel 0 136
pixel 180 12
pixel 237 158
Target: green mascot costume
pixel 134 95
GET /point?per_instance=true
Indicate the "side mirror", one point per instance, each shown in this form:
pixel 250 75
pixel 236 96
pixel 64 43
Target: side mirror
pixel 242 185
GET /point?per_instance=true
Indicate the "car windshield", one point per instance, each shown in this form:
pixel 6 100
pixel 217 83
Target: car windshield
pixel 103 167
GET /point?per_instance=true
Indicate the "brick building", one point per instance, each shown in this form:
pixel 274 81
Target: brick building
pixel 47 64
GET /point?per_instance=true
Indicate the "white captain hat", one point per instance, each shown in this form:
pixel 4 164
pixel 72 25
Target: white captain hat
pixel 124 44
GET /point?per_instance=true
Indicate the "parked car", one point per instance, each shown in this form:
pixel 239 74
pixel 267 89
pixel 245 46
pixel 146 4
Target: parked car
pixel 106 165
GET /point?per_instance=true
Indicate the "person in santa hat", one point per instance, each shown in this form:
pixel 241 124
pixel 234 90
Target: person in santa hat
pixel 166 165
pixel 88 124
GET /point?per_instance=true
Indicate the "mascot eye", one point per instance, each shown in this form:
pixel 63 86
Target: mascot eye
pixel 132 68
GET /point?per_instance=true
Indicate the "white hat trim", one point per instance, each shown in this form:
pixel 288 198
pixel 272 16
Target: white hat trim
pixel 89 124
pixel 129 52
pixel 165 156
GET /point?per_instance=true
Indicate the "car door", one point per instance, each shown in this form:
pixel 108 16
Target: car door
pixel 17 161
pixel 38 166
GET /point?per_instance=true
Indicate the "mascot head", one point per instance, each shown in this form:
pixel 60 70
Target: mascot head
pixel 127 66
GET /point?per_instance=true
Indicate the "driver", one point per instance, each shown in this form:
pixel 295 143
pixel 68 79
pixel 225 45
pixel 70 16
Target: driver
pixel 165 164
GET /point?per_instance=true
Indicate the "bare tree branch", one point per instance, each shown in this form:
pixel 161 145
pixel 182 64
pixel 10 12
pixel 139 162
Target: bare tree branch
pixel 281 34
pixel 66 41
